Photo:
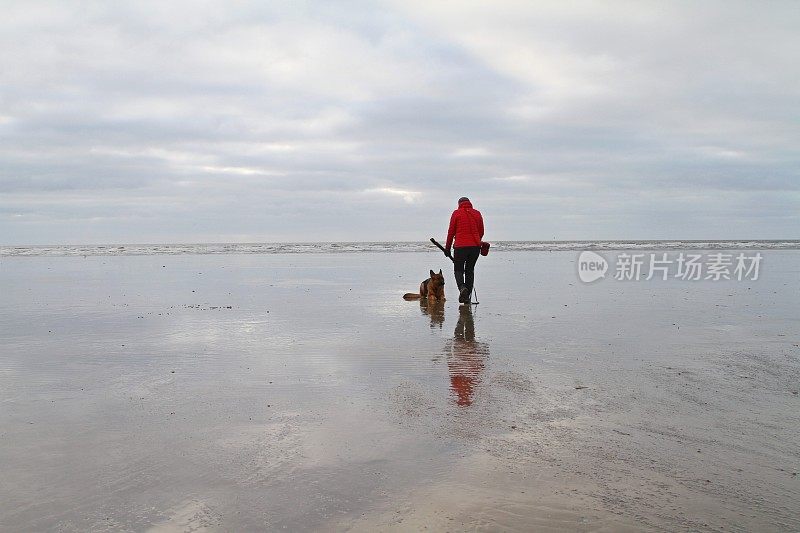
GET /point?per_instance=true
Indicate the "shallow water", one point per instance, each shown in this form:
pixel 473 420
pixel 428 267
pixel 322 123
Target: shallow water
pixel 300 392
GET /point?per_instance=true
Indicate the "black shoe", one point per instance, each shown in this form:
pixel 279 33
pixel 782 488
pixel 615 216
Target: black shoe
pixel 464 295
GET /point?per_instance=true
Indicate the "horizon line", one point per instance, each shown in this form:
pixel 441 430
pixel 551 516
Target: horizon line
pixel 118 244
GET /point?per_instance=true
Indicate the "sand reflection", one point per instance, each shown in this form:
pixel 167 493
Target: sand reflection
pixel 466 358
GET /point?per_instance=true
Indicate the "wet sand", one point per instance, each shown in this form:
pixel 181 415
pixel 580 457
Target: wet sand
pixel 300 392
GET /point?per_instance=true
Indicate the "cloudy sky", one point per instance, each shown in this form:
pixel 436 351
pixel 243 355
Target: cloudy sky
pixel 203 121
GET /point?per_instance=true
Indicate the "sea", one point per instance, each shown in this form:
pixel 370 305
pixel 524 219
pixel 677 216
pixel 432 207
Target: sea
pixel 361 247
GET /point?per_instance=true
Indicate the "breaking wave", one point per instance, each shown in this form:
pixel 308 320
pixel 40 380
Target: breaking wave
pixel 361 247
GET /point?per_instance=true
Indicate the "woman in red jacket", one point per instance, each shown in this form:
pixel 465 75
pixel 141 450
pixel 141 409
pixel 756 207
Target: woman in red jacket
pixel 466 226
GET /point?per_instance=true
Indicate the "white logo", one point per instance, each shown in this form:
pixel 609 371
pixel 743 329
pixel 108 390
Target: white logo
pixel 591 266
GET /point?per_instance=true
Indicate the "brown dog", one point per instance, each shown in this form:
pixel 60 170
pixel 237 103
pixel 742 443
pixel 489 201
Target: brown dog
pixel 432 289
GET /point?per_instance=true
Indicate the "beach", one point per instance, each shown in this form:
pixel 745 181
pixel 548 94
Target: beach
pixel 299 391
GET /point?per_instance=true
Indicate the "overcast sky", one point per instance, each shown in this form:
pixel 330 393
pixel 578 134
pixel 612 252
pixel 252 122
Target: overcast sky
pixel 202 121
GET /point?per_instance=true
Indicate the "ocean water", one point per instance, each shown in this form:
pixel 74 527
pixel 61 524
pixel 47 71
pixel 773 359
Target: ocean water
pixel 359 247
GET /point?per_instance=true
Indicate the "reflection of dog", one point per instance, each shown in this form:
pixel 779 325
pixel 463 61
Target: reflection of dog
pixel 432 289
pixel 433 309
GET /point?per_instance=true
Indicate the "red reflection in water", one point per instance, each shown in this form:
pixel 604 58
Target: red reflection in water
pixel 466 358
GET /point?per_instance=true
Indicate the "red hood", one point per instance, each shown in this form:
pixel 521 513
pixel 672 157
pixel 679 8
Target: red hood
pixel 465 204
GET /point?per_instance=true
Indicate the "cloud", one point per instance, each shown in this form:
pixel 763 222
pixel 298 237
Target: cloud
pixel 308 121
pixel 472 152
pixel 518 178
pixel 407 196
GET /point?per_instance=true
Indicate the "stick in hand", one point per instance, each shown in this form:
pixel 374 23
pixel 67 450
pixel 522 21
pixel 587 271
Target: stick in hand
pixel 442 249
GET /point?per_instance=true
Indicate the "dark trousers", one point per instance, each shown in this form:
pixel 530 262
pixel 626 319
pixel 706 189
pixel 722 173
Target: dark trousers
pixel 464 260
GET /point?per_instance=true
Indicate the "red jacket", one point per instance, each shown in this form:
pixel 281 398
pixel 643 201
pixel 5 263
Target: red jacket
pixel 466 225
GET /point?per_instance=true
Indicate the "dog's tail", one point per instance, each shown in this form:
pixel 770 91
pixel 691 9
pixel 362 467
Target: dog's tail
pixel 411 296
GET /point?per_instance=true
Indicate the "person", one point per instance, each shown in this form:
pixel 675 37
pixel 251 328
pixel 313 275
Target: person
pixel 466 227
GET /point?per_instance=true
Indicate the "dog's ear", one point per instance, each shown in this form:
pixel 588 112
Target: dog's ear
pixel 440 271
pixel 432 274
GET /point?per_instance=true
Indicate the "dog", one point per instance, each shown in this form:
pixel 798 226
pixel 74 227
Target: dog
pixel 431 289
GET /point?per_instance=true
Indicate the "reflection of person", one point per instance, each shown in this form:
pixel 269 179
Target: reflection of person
pixel 433 309
pixel 466 359
pixel 466 227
